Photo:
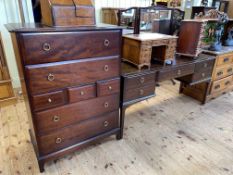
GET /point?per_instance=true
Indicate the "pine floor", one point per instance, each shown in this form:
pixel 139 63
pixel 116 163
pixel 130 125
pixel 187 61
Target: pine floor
pixel 170 134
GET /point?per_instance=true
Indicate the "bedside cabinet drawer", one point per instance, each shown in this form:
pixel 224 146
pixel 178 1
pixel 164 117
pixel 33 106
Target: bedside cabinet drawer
pixel 108 87
pixel 79 132
pixel 51 76
pixel 131 82
pixel 224 59
pixel 49 100
pixel 81 93
pixel 221 84
pixel 60 117
pixel 223 71
pixel 63 46
pixel 138 93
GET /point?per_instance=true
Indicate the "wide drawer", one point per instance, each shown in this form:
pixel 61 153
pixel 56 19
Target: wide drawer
pixel 223 71
pixel 175 72
pixel 77 133
pixel 81 93
pixel 69 114
pixel 141 80
pixel 204 65
pixel 224 59
pixel 221 84
pixel 61 46
pixel 108 87
pixel 51 76
pixel 139 93
pixel 49 100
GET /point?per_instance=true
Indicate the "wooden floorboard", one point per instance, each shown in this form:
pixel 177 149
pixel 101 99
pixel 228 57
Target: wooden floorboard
pixel 170 134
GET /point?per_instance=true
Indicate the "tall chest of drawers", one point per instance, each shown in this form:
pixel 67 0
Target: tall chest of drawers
pixel 71 83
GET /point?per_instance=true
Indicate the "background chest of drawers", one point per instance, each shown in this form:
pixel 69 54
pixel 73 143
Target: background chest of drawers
pixel 72 85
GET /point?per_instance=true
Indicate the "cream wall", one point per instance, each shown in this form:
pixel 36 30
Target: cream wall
pixel 10 14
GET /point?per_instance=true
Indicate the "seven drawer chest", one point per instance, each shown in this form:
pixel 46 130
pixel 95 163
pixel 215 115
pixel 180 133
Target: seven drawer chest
pixel 71 80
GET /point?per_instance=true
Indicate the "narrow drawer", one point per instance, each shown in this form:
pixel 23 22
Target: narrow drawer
pixel 49 100
pixel 77 94
pixel 175 72
pixel 160 42
pixel 61 46
pixel 223 71
pixel 108 87
pixel 224 59
pixel 79 132
pixel 221 84
pixel 204 65
pixel 138 93
pixel 52 76
pixel 131 82
pixel 60 117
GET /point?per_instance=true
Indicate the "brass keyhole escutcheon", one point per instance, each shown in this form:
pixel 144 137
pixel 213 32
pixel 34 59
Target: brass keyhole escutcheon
pixel 106 105
pixel 82 93
pixel 50 100
pixel 106 42
pixel 106 68
pixel 51 77
pixel 110 88
pixel 142 80
pixel 106 123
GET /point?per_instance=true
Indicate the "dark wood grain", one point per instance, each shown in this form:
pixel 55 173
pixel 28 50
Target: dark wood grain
pixel 107 87
pixel 79 132
pixel 70 73
pixel 68 46
pixel 74 113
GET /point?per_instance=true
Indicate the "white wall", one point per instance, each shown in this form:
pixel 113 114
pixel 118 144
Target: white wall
pixel 10 14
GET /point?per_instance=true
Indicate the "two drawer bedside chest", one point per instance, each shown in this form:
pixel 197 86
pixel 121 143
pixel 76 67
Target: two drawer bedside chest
pixel 71 82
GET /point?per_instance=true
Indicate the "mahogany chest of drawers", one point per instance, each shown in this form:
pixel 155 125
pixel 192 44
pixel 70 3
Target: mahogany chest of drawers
pixel 72 85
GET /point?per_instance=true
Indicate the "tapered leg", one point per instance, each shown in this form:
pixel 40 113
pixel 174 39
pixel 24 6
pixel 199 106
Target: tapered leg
pixel 41 165
pixel 119 136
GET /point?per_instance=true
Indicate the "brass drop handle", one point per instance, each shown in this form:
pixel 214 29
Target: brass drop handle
pixel 106 104
pixel 179 72
pixel 142 80
pixel 141 92
pixel 217 86
pixel 58 140
pixel 46 47
pixel 110 88
pixel 51 77
pixel 56 118
pixel 106 68
pixel 106 123
pixel 229 70
pixel 106 42
pixel 227 83
pixel 205 65
pixel 50 100
pixel 82 93
pixel 203 74
pixel 226 60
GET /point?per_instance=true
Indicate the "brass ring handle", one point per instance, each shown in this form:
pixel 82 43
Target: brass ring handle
pixel 56 118
pixel 110 88
pixel 51 77
pixel 106 123
pixel 141 92
pixel 106 68
pixel 50 100
pixel 106 105
pixel 46 47
pixel 58 140
pixel 106 42
pixel 142 80
pixel 82 93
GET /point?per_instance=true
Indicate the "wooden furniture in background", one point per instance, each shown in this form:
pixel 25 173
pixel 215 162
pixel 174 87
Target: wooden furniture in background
pixel 145 48
pixel 221 5
pixel 221 80
pixel 68 12
pixel 72 95
pixel 200 9
pixel 6 89
pixel 109 15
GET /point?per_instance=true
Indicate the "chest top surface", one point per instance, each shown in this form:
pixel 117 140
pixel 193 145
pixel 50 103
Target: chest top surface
pixel 149 36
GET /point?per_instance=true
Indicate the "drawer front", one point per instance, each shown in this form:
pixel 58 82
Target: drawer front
pixel 199 76
pixel 132 82
pixel 81 93
pixel 77 133
pixel 176 72
pixel 51 76
pixel 223 71
pixel 108 87
pixel 160 42
pixel 221 84
pixel 49 100
pixel 205 65
pixel 137 93
pixel 224 59
pixel 62 46
pixel 73 113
